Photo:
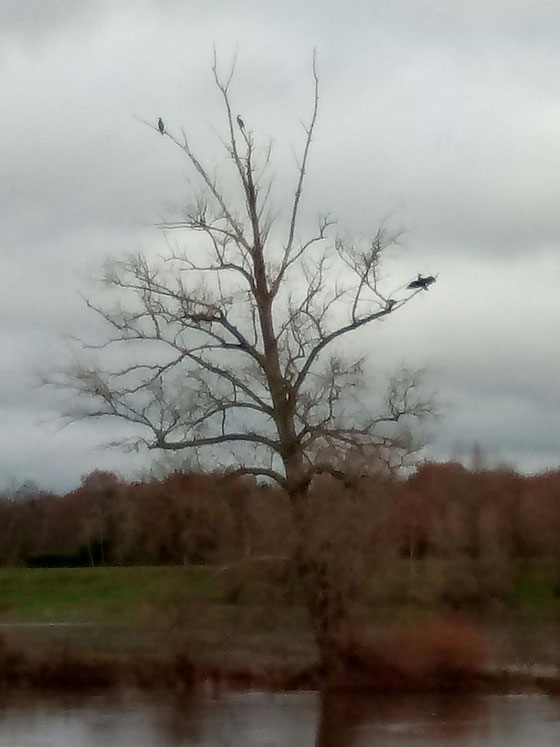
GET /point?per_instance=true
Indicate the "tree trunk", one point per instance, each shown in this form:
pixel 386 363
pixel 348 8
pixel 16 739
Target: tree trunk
pixel 325 600
pixel 327 610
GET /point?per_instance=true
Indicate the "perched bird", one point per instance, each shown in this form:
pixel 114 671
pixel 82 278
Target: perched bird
pixel 389 305
pixel 421 282
pixel 240 122
pixel 161 126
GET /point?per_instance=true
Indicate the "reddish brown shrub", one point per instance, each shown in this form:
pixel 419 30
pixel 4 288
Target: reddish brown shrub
pixel 440 653
pixel 12 662
pixel 67 671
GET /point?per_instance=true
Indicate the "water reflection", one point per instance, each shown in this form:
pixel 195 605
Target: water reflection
pixel 250 719
pixel 198 720
pixel 431 720
pixel 279 720
pixel 346 718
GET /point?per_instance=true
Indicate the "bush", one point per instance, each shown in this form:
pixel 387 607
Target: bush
pixel 438 654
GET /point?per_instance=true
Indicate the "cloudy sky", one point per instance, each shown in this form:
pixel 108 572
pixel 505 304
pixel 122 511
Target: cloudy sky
pixel 443 117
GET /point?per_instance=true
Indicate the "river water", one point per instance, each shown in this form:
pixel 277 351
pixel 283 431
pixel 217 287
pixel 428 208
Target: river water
pixel 252 719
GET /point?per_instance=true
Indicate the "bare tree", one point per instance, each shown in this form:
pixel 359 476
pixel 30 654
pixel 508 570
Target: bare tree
pixel 238 340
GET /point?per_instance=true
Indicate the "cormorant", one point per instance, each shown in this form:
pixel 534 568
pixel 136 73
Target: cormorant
pixel 161 126
pixel 421 282
pixel 240 122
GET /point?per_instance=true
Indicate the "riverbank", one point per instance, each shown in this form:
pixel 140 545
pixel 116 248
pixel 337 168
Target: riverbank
pixel 441 654
pixel 177 672
pixel 174 627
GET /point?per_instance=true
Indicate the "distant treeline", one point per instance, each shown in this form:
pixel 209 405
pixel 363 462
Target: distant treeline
pixel 184 518
pixel 476 519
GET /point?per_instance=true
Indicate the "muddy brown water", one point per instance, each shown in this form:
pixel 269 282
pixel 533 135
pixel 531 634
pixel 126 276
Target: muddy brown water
pixel 302 719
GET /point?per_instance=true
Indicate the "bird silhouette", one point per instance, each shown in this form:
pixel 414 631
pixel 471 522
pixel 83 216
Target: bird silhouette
pixel 161 126
pixel 240 122
pixel 421 282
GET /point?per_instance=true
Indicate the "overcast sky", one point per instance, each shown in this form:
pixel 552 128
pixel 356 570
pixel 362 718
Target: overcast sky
pixel 443 115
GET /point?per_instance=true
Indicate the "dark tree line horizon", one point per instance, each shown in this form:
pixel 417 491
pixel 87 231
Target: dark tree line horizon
pixel 476 523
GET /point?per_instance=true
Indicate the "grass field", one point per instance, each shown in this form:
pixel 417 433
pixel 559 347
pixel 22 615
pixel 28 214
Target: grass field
pixel 107 595
pixel 125 594
pixel 215 613
pixel 146 608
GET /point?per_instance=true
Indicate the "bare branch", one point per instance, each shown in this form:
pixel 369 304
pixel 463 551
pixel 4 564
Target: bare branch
pixel 309 131
pixel 191 443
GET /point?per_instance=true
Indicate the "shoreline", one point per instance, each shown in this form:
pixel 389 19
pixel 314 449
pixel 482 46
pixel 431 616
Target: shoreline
pixel 84 672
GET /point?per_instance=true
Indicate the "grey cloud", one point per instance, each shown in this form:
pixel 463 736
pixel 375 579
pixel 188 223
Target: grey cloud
pixel 40 449
pixel 29 20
